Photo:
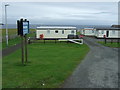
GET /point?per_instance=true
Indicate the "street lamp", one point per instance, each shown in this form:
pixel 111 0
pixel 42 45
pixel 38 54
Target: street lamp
pixel 6 24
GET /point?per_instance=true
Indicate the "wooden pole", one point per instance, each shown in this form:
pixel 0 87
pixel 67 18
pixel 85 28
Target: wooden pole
pixel 118 41
pixel 22 49
pixel 26 51
pixel 105 40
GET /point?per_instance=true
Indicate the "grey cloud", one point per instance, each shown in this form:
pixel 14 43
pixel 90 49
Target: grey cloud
pixel 64 12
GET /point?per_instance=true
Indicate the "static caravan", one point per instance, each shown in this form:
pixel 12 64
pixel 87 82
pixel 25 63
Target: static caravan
pixel 54 32
pixel 108 32
pixel 88 31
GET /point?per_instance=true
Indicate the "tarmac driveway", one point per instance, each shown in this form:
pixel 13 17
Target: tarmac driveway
pixel 99 69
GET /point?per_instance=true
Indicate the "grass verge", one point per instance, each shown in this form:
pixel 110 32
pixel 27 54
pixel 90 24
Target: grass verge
pixel 50 64
pixel 15 40
pixel 11 42
pixel 109 44
pixel 12 31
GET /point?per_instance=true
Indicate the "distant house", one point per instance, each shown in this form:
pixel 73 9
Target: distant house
pixel 116 26
pixel 55 32
pixel 88 31
pixel 107 32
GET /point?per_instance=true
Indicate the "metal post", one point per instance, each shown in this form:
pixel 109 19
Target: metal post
pixel 6 24
pixel 26 53
pixel 105 40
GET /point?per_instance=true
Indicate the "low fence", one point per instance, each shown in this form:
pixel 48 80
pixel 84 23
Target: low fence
pixel 52 40
pixel 106 40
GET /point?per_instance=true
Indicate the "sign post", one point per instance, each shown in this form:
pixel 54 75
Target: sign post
pixel 26 52
pixel 23 30
pixel 105 38
pixel 22 49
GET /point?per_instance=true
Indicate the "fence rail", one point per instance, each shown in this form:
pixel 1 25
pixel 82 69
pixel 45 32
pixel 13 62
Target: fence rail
pixel 53 40
pixel 111 40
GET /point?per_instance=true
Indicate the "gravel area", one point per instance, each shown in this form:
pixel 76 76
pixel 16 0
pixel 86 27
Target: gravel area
pixel 99 69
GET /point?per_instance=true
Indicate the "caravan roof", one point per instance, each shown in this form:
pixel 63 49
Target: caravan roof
pixel 88 28
pixel 112 28
pixel 55 27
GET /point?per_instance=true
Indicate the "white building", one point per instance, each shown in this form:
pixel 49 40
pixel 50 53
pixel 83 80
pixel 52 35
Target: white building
pixel 55 32
pixel 108 32
pixel 88 31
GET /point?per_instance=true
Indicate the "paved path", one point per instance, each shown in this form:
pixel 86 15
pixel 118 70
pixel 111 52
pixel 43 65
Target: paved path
pixel 99 69
pixel 10 50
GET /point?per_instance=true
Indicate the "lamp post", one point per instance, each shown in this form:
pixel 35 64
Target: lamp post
pixel 6 24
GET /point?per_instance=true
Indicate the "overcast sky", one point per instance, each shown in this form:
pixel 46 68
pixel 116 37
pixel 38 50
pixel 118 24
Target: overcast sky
pixel 80 13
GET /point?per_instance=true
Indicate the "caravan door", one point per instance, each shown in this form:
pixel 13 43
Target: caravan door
pixel 107 33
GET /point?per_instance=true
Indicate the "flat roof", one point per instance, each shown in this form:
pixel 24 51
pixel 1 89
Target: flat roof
pixel 55 27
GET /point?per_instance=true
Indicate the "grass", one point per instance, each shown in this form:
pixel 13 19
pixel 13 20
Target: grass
pixel 0 72
pixel 15 40
pixel 78 33
pixel 11 32
pixel 11 42
pixel 0 46
pixel 50 64
pixel 109 44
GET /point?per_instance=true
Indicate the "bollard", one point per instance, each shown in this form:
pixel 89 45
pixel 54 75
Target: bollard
pixel 105 40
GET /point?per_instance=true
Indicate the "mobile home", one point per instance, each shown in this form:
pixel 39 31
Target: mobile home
pixel 55 32
pixel 107 32
pixel 88 31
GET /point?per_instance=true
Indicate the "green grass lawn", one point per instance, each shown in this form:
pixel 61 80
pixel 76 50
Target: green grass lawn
pixel 78 33
pixel 11 42
pixel 0 72
pixel 12 31
pixel 16 40
pixel 0 46
pixel 109 44
pixel 50 64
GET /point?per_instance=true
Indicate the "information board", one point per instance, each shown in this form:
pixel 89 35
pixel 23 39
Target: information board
pixel 25 27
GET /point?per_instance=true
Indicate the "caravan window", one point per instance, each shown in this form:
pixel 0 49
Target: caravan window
pixel 48 31
pixel 56 31
pixel 113 32
pixel 102 32
pixel 72 32
pixel 62 31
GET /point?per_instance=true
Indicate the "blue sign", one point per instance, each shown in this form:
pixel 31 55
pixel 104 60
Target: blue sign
pixel 25 27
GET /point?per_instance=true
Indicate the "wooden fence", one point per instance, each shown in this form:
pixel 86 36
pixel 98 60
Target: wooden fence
pixel 106 40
